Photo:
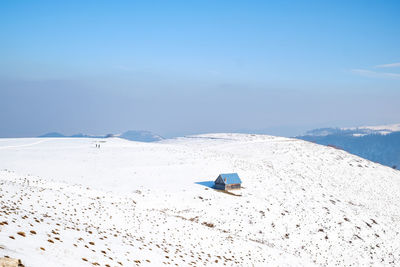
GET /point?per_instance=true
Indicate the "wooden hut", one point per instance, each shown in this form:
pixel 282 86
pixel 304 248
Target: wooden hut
pixel 228 181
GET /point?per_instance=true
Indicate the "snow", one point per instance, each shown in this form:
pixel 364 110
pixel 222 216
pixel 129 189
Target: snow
pixel 390 127
pixel 359 135
pixel 381 129
pixel 132 203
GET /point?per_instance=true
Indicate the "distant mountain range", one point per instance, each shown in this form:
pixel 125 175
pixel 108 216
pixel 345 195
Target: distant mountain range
pixel 140 136
pixel 79 135
pixel 376 143
pixel 356 131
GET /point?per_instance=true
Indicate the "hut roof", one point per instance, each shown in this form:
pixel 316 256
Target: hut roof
pixel 230 178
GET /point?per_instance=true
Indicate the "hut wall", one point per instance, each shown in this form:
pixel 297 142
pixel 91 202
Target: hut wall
pixel 220 186
pixel 232 186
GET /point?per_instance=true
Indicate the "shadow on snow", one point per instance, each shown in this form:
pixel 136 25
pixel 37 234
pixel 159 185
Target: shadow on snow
pixel 209 184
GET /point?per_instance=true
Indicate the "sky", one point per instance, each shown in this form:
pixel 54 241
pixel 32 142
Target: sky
pixel 188 67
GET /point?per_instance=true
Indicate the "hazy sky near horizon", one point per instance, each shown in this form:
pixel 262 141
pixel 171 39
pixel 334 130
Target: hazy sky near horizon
pixel 183 67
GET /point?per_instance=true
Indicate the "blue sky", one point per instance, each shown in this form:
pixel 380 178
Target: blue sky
pixel 182 67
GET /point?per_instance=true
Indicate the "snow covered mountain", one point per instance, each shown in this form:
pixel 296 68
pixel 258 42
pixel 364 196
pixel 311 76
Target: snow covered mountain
pixel 377 143
pixel 52 134
pixel 355 131
pixel 379 129
pixel 66 202
pixel 141 136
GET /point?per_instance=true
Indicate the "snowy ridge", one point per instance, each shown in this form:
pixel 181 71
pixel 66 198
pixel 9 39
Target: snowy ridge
pixel 379 128
pixel 355 131
pixel 132 203
pixel 139 136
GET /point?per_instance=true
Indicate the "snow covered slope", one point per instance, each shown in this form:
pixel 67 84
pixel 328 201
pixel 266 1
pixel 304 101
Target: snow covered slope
pixel 65 202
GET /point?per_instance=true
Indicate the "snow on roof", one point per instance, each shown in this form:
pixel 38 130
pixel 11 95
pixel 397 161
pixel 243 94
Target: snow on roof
pixel 231 178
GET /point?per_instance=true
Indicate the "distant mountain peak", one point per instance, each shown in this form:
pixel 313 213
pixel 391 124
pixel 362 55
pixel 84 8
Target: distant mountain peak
pixel 140 136
pixel 52 134
pixel 355 131
pixel 378 129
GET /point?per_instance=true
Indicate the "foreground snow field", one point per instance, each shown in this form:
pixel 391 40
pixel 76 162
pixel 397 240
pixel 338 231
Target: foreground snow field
pixel 65 202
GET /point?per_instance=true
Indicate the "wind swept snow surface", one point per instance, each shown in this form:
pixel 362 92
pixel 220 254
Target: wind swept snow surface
pixel 65 202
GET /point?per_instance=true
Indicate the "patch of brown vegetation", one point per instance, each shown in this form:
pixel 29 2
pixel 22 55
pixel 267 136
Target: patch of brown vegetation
pixel 21 234
pixel 211 225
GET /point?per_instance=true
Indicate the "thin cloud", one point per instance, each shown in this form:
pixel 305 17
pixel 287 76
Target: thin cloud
pixel 392 65
pixel 375 74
